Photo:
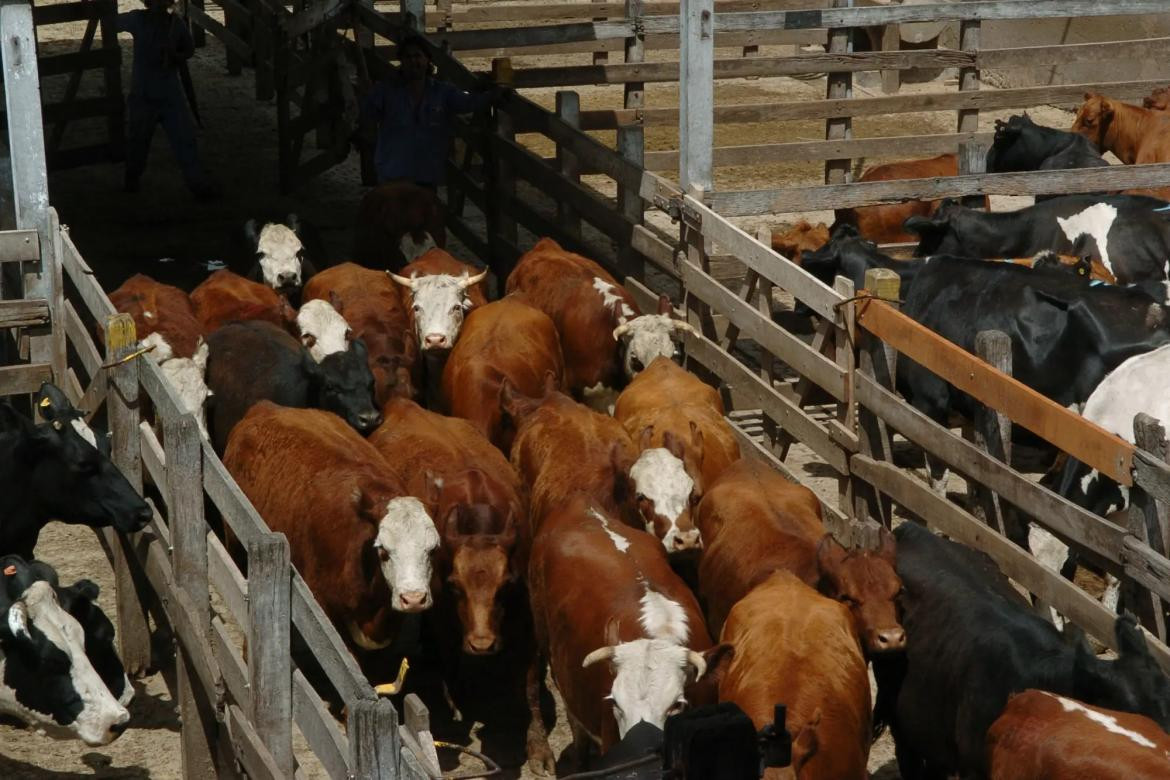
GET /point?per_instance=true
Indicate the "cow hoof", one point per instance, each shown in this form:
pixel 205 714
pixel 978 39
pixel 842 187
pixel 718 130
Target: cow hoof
pixel 541 762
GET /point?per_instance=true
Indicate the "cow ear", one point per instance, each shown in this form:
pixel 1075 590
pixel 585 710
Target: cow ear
pixel 550 383
pixel 335 301
pixel 696 441
pixel 887 548
pixel 1131 643
pixel 922 226
pixel 309 340
pixel 664 305
pixel 510 400
pixel 450 525
pixel 645 438
pixel 367 505
pixel 252 232
pixel 86 589
pixel 673 445
pixel 613 636
pixel 830 554
pixel 293 222
pixel 718 660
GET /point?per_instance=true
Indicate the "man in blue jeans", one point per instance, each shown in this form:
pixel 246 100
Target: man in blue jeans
pixel 413 111
pixel 161 43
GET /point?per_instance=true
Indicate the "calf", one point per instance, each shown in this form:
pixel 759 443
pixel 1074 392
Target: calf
pixel 346 517
pixel 623 635
pixel 1022 145
pixel 281 259
pixel 256 361
pixel 1042 736
pixel 397 223
pixel 587 305
pixel 165 319
pixel 226 297
pixel 506 340
pixel 884 224
pixel 795 647
pixel 563 447
pixel 1136 135
pixel 800 238
pixel 1122 232
pixel 371 305
pixel 49 679
pixel 972 640
pixel 684 444
pixel 755 522
pixel 49 472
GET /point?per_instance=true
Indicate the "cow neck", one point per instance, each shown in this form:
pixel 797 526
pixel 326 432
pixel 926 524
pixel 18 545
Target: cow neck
pixel 1139 123
pixel 19 526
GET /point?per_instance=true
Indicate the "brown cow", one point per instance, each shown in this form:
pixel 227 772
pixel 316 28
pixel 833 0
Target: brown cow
pixel 755 522
pixel 605 338
pixel 165 320
pixel 799 238
pixel 346 517
pixel 1158 99
pixel 794 646
pixel 227 297
pixel 684 444
pixel 372 306
pixel 397 222
pixel 563 447
pixel 1136 135
pixel 1043 736
pixel 621 632
pixel 883 224
pixel 505 339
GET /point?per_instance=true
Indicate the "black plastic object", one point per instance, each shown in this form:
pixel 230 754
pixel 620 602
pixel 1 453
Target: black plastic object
pixel 711 743
pixel 775 742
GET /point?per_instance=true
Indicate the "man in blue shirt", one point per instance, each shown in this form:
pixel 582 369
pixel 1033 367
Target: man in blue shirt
pixel 161 43
pixel 413 111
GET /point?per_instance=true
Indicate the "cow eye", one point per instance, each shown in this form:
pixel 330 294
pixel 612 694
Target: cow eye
pixel 636 364
pixel 677 707
pixel 383 554
pixel 416 308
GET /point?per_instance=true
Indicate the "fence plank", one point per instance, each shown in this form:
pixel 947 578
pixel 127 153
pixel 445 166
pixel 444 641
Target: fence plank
pixel 993 430
pixel 319 727
pixel 251 751
pixel 22 313
pixel 22 379
pixel 269 662
pixel 20 246
pixel 374 741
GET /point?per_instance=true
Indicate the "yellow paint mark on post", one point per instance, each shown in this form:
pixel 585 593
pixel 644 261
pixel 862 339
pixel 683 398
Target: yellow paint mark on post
pixel 121 335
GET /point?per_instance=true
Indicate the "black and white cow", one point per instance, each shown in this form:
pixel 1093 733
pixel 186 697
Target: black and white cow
pixel 282 259
pixel 1126 234
pixel 1022 145
pixel 50 472
pixel 59 672
pixel 52 404
pixel 848 254
pixel 971 641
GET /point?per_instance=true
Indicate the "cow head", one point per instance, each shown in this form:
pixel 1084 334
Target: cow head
pixel 438 305
pixel 1133 683
pixel 80 601
pixel 650 336
pixel 865 582
pixel 1158 100
pixel 649 677
pixel 480 552
pixel 665 483
pixel 800 238
pixel 935 236
pixel 52 404
pixel 48 679
pixel 323 330
pixel 404 544
pixel 66 477
pixel 1094 118
pixel 344 385
pixel 280 254
pixel 188 376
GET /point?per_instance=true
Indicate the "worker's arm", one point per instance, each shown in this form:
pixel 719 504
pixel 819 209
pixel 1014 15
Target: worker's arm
pixel 458 101
pixel 184 44
pixel 129 22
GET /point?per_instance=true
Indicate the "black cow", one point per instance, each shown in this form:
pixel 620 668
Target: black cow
pixel 52 404
pixel 1124 233
pixel 848 254
pixel 254 361
pixel 49 677
pixel 1022 145
pixel 972 641
pixel 282 253
pixel 49 472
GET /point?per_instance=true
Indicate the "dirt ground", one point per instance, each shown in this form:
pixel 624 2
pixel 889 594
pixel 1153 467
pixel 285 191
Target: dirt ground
pixel 163 232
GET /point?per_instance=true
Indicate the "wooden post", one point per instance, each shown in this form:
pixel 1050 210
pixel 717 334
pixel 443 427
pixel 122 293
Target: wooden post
pixel 696 94
pixel 374 741
pixel 235 24
pixel 264 45
pixel 417 18
pixel 112 78
pixel 601 56
pixel 877 360
pixel 505 184
pixel 1148 521
pixel 891 41
pixel 631 141
pixel 198 35
pixel 969 33
pixel 972 160
pixel 184 458
pixel 844 338
pixel 840 85
pixel 269 661
pixel 993 430
pixel 569 109
pixel 122 407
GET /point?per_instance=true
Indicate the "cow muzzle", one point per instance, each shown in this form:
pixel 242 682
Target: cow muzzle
pixel 480 644
pixel 436 341
pixel 687 540
pixel 367 421
pixel 888 640
pixel 414 601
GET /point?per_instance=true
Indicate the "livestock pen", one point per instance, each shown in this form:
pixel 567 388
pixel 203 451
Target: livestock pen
pixel 502 196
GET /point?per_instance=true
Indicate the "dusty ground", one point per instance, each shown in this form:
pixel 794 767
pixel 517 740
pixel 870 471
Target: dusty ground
pixel 163 232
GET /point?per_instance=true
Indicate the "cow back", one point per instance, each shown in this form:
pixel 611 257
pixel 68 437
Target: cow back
pixel 797 647
pixel 389 212
pixel 162 309
pixel 883 224
pixel 227 297
pixel 372 305
pixel 505 339
pixel 754 522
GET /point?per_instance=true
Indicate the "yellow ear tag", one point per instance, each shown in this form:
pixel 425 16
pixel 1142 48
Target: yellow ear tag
pixel 45 403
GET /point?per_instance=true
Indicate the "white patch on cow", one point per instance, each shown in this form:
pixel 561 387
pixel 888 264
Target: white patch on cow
pixel 1088 480
pixel 438 303
pixel 323 330
pixel 1095 221
pixel 83 430
pixel 100 712
pixel 187 376
pixel 1112 594
pixel 1108 721
pixel 17 620
pixel 361 640
pixel 1137 385
pixel 600 398
pixel 663 618
pixel 649 337
pixel 649 677
pixel 619 541
pixel 611 299
pixel 663 479
pixel 413 250
pixel 406 538
pixel 279 249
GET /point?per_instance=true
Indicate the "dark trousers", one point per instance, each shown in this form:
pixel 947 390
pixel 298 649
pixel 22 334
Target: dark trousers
pixel 172 113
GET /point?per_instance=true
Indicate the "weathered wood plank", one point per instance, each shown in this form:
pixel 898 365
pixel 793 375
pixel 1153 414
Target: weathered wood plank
pixel 696 96
pixel 330 651
pixel 253 755
pixel 83 345
pixel 22 379
pixel 231 664
pixel 269 640
pixel 374 742
pixel 657 42
pixel 20 246
pixel 319 728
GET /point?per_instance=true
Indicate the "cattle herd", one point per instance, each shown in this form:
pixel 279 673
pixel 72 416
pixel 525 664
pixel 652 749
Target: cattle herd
pixel 503 488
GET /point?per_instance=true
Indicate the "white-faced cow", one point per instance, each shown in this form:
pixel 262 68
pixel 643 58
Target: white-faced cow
pixel 281 259
pixel 442 292
pixel 323 331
